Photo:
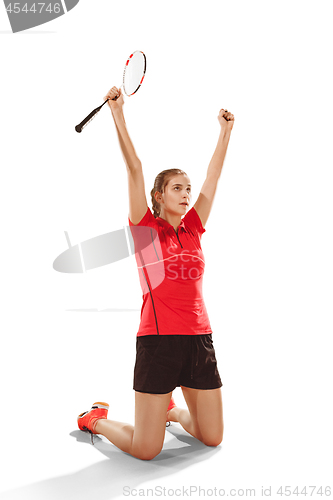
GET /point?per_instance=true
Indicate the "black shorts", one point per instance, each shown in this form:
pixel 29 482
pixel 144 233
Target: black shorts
pixel 164 362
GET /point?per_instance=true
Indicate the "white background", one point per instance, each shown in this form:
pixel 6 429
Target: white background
pixel 268 244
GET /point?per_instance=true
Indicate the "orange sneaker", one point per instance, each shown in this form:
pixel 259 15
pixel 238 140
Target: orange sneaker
pixel 88 419
pixel 172 404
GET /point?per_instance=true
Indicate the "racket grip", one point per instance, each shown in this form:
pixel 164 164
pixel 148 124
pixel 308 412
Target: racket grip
pixel 87 119
pixel 90 117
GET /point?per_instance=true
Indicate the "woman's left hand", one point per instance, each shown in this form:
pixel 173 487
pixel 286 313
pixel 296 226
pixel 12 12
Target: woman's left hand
pixel 226 119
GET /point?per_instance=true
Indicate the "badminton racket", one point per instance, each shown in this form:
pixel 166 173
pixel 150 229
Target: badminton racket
pixel 133 75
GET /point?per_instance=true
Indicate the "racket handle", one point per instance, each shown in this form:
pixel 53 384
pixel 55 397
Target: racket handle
pixel 91 116
pixel 87 119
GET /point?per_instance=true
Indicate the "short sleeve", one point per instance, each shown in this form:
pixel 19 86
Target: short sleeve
pixel 147 220
pixel 193 222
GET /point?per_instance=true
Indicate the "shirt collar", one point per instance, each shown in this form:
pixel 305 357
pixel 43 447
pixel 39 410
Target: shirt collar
pixel 168 226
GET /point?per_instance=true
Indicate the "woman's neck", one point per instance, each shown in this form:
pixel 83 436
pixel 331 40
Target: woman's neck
pixel 173 219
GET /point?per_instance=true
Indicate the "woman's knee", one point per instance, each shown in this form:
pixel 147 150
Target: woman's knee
pixel 213 439
pixel 147 453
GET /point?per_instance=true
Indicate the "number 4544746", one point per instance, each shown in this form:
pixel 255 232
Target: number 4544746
pixel 36 8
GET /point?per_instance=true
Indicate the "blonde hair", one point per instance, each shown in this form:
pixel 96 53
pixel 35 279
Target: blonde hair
pixel 160 183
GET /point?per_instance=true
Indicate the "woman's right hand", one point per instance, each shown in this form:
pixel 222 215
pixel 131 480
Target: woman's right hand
pixel 115 104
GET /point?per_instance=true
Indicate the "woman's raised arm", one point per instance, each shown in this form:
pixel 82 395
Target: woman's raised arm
pixel 205 199
pixel 136 186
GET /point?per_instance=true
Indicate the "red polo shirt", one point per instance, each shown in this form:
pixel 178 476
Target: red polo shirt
pixel 171 267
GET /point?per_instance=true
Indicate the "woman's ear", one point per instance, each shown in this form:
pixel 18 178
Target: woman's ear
pixel 158 196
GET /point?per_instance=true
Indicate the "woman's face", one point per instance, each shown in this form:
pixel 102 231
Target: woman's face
pixel 177 195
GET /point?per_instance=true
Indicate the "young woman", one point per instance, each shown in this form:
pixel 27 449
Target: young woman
pixel 174 341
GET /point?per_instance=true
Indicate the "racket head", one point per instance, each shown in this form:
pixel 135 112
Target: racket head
pixel 134 72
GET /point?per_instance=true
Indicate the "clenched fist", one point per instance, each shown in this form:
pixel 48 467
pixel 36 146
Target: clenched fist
pixel 226 119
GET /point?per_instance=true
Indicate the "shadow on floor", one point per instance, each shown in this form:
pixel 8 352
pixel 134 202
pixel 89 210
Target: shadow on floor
pixel 106 479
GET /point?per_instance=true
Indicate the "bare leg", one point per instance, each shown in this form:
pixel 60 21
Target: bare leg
pixel 204 419
pixel 145 439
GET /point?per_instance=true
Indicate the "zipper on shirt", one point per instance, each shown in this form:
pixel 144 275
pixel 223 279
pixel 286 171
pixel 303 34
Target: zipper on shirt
pixel 178 238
